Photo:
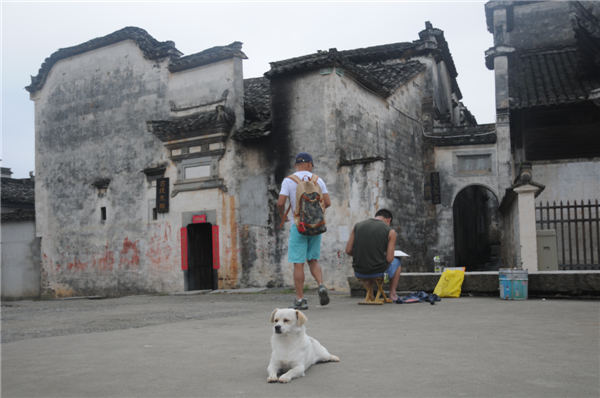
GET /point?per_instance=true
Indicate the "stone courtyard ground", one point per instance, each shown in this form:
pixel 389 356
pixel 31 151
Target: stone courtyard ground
pixel 217 345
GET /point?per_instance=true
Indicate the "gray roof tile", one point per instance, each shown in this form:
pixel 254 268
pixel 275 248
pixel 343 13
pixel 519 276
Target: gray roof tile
pixel 547 77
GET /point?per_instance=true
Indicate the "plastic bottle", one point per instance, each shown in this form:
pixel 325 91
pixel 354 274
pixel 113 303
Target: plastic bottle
pixel 437 264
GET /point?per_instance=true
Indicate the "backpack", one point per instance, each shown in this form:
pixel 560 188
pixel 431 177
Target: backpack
pixel 309 215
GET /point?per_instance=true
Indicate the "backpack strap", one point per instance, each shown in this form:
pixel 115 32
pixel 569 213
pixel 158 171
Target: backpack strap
pixel 294 178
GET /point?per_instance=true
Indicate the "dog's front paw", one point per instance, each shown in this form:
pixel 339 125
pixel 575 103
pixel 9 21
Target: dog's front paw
pixel 272 379
pixel 285 379
pixel 333 358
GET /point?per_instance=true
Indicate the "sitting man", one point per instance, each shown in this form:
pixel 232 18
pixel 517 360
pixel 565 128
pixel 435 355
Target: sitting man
pixel 371 245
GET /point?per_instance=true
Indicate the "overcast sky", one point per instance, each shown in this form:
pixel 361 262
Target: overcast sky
pixel 270 30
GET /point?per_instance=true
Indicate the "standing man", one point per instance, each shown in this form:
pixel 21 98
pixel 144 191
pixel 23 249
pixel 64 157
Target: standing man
pixel 371 245
pixel 303 248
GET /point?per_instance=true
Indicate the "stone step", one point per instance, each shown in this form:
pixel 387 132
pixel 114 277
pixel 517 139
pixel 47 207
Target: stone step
pixel 585 284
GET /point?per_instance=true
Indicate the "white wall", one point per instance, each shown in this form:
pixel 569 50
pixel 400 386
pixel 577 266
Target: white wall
pixel 568 180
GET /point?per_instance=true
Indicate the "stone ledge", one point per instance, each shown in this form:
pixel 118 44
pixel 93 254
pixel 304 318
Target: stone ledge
pixel 545 283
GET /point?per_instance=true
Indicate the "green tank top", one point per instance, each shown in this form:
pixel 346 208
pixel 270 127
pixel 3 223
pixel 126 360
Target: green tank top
pixel 370 246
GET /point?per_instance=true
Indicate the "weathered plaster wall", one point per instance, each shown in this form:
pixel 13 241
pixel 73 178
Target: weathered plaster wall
pixel 91 119
pixel 303 116
pixel 204 87
pixel 568 180
pixel 511 254
pixel 91 124
pixel 262 247
pixel 552 27
pixel 366 149
pixel 370 152
pixel 20 260
pixel 453 179
pixel 201 89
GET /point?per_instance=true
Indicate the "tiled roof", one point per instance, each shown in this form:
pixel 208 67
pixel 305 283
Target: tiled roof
pixel 208 56
pixel 379 76
pixel 18 203
pixel 464 135
pixel 18 215
pixel 383 68
pixel 151 48
pixel 253 131
pixel 257 99
pixel 547 77
pixel 392 76
pixel 16 190
pixel 380 53
pixel 219 120
pixel 325 59
pixel 257 110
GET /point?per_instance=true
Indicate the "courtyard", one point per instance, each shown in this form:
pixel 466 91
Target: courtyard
pixel 217 345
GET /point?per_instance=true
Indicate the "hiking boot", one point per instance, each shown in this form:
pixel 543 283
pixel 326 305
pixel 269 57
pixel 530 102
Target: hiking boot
pixel 300 304
pixel 323 295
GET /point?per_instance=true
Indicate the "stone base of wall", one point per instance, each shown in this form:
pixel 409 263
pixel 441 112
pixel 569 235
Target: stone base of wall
pixel 541 284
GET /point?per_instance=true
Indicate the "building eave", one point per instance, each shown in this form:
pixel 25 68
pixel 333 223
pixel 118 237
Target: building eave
pixel 151 48
pixel 209 56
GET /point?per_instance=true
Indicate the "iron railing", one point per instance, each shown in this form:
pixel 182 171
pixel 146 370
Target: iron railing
pixel 577 228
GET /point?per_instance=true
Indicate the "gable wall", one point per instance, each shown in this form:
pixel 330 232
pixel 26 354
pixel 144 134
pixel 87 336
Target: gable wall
pixel 365 148
pixel 91 119
pixel 90 124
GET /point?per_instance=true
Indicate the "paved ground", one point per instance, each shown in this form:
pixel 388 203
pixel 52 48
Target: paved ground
pixel 217 345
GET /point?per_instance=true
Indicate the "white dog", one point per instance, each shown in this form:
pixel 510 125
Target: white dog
pixel 293 351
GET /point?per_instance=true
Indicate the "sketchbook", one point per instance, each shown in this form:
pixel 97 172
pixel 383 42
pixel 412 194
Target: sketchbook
pixel 400 253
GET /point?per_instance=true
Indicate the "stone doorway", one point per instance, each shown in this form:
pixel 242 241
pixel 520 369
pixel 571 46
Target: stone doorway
pixel 201 274
pixel 476 229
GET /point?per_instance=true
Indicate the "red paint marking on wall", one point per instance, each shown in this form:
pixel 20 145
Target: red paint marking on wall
pixel 77 265
pixel 48 265
pixel 129 256
pixel 160 249
pixel 106 261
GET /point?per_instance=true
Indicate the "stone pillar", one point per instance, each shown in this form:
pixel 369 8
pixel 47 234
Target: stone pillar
pixel 497 58
pixel 527 233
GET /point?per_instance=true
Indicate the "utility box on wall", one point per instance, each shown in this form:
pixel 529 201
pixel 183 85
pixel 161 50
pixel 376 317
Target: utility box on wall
pixel 547 250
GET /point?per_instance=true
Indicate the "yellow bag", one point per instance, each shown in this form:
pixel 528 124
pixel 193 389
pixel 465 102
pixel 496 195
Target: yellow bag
pixel 450 283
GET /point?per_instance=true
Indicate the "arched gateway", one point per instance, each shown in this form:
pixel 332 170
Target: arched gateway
pixel 477 229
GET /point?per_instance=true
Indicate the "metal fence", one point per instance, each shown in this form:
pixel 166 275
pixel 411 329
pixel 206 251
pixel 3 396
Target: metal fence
pixel 577 228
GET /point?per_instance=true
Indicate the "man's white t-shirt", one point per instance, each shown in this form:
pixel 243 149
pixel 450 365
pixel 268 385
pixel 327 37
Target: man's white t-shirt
pixel 288 188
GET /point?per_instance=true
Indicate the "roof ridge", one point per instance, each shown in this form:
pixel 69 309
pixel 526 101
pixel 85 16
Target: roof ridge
pixel 210 55
pixel 151 48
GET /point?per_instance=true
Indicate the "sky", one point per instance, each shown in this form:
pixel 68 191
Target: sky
pixel 269 30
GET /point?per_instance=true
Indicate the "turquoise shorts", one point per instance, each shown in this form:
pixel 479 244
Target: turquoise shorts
pixel 302 248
